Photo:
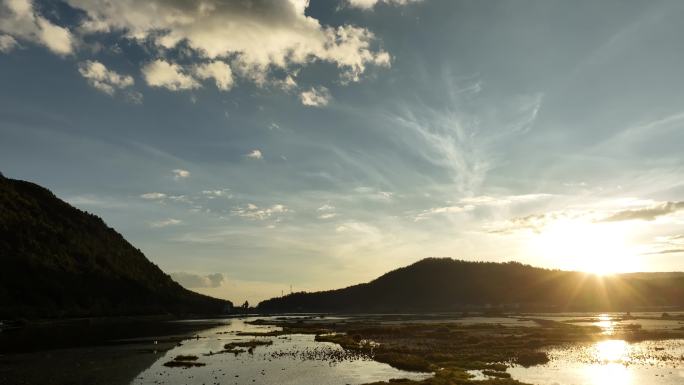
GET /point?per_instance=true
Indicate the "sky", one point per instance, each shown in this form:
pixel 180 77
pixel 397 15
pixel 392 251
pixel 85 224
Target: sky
pixel 253 147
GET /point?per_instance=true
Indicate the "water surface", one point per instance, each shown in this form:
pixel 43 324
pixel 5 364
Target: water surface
pixel 291 359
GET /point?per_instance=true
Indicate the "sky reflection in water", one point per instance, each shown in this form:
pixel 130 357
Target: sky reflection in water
pixel 291 359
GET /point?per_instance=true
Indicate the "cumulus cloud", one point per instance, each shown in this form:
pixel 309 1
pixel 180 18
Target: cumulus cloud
pixel 160 73
pixel 255 36
pixel 368 4
pixel 252 211
pixel 255 154
pixel 180 174
pixel 315 97
pixel 19 19
pixel 7 43
pixel 647 213
pixel 165 223
pixel 217 70
pixel 196 281
pixel 103 79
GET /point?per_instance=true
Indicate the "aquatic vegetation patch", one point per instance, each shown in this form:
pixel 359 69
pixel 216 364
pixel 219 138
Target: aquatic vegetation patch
pixel 449 350
pixel 332 355
pixel 182 361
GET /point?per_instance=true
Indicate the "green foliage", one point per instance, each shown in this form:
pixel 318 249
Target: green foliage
pixel 58 261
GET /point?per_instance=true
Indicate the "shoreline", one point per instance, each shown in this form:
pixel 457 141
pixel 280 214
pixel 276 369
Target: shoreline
pixel 64 352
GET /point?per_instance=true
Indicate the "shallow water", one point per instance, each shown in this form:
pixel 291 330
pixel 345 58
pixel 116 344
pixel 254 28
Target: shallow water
pixel 291 359
pixel 610 324
pixel 614 362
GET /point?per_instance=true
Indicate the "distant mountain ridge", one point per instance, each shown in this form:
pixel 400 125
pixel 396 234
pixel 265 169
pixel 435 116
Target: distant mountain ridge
pixel 56 260
pixel 444 284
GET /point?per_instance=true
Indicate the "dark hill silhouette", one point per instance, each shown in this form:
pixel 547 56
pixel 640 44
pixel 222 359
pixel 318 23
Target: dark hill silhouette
pixel 446 284
pixel 59 261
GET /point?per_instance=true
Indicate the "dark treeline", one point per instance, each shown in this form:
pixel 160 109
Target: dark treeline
pixel 453 285
pixel 58 261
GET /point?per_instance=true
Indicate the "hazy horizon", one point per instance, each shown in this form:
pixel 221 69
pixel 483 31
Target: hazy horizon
pixel 251 148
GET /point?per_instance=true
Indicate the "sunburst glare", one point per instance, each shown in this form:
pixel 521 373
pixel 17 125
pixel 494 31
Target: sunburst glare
pixel 599 248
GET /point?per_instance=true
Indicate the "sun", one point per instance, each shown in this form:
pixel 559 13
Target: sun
pixel 598 248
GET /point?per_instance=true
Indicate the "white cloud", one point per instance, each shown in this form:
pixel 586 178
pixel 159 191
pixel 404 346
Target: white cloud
pixel 19 19
pixel 646 213
pixel 375 194
pixel 194 281
pixel 160 73
pixel 252 211
pixel 219 71
pixel 357 227
pixel 223 193
pixel 316 97
pixel 257 37
pixel 326 207
pixel 7 43
pixel 255 154
pixel 180 174
pixel 165 223
pixel 153 196
pixel 442 210
pixel 471 203
pixel 102 78
pixel 326 212
pixel 486 200
pixel 368 4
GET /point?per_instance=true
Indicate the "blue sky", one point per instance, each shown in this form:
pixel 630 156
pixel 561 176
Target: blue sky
pixel 246 146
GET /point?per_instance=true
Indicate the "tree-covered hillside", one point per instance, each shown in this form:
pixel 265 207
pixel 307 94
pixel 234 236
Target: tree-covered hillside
pixel 56 260
pixel 447 284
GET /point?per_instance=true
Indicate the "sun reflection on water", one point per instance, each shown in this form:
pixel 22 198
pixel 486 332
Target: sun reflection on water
pixel 609 362
pixel 605 322
pixel 612 351
pixel 612 358
pixel 604 374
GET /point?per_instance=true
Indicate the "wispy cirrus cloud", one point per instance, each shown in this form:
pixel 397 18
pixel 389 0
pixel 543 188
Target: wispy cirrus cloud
pixel 646 213
pixel 165 223
pixel 471 203
pixel 153 196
